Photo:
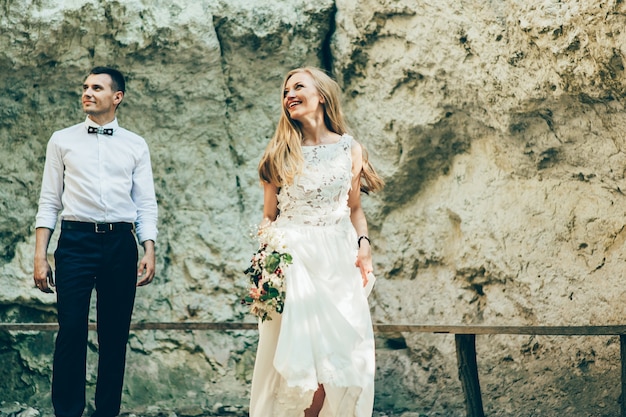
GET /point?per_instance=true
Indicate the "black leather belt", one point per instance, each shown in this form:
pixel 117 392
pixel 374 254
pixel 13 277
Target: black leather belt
pixel 96 227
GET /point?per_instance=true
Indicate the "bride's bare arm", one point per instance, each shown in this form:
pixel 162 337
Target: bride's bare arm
pixel 357 215
pixel 270 204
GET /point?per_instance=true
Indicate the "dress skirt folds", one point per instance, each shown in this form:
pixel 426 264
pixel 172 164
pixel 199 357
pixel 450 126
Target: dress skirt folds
pixel 324 335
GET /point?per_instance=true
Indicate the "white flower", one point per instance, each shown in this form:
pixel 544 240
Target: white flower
pixel 266 274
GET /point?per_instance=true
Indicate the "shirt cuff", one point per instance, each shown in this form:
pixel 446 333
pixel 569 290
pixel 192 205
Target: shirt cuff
pixel 144 234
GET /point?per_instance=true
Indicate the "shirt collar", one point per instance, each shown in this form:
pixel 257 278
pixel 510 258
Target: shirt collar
pixel 111 125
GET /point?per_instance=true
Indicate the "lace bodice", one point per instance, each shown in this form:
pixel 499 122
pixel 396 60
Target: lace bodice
pixel 319 195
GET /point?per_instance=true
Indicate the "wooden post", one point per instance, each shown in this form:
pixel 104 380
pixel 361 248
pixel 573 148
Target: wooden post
pixel 622 348
pixel 468 373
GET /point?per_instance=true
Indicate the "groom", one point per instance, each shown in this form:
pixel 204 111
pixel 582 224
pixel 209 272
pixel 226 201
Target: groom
pixel 99 177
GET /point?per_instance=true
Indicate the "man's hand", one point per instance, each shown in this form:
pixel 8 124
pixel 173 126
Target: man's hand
pixel 42 273
pixel 146 270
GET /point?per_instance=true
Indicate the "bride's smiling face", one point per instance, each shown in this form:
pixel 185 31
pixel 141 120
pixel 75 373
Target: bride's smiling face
pixel 300 96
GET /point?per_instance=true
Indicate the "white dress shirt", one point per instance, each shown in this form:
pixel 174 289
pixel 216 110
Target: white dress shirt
pixel 97 178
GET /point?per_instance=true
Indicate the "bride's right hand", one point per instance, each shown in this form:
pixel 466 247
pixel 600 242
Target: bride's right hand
pixel 266 222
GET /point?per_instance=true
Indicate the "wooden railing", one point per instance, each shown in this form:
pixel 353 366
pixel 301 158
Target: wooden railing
pixel 465 339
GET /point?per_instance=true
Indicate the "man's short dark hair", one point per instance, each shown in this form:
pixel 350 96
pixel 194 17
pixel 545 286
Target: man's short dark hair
pixel 119 84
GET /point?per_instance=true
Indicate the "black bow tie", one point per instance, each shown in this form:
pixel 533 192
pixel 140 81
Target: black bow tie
pixel 99 130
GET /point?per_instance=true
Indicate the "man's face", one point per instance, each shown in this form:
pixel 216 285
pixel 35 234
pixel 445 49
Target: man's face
pixel 98 98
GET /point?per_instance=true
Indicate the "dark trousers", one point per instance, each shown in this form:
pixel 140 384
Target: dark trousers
pixel 108 263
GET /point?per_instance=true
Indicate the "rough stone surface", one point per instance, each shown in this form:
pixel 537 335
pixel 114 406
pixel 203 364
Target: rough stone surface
pixel 498 126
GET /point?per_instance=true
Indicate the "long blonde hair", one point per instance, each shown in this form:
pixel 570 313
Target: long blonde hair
pixel 282 160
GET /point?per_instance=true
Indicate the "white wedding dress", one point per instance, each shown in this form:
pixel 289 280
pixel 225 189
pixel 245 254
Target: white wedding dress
pixel 324 335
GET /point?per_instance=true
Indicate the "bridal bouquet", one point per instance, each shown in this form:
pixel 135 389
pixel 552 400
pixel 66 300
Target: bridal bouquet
pixel 266 275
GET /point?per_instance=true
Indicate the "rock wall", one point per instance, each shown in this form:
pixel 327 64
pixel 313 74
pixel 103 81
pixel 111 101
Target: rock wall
pixel 498 126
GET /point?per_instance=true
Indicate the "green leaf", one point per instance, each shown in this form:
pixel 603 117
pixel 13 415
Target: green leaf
pixel 273 292
pixel 271 262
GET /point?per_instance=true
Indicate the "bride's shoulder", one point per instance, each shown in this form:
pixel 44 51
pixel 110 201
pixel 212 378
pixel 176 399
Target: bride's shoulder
pixel 350 140
pixel 355 147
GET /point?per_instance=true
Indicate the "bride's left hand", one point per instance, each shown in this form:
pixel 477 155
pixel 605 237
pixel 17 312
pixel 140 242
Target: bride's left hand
pixel 364 261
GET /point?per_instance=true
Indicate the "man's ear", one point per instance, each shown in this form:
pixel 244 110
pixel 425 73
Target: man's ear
pixel 118 97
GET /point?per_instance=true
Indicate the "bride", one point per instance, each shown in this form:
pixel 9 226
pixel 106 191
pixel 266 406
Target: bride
pixel 317 357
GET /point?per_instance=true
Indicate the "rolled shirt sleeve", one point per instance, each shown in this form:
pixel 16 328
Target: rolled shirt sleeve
pixel 143 195
pixel 51 187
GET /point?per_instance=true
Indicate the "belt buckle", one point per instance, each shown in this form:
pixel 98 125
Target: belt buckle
pixel 106 227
